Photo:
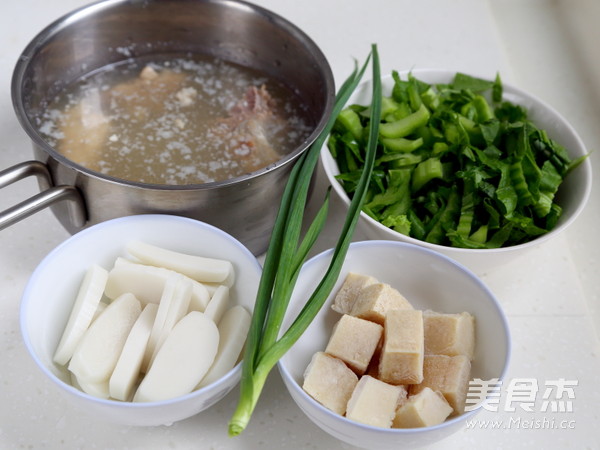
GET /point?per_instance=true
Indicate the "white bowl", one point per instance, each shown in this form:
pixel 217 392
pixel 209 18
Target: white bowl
pixel 51 290
pixel 572 194
pixel 429 280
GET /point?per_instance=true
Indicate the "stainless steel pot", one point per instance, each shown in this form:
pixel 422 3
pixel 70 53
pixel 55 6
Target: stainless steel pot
pixel 113 30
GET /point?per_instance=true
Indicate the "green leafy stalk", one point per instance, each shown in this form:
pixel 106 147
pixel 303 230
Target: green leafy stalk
pixel 406 125
pixel 285 257
pixel 481 174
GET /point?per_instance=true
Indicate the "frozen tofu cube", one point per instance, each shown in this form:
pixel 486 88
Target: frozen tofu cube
pixel 449 375
pixel 373 402
pixel 373 367
pixel 329 381
pixel 346 296
pixel 401 360
pixel 354 341
pixel 375 300
pixel 403 396
pixel 449 334
pixel 425 409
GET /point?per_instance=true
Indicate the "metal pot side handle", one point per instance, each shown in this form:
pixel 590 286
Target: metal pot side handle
pixel 49 195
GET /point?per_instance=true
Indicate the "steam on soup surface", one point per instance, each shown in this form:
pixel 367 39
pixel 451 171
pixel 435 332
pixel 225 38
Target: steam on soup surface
pixel 175 121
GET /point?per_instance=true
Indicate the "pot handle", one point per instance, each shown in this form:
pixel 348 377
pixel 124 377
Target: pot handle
pixel 49 195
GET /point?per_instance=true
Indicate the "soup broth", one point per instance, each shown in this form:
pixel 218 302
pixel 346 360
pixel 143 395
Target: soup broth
pixel 175 121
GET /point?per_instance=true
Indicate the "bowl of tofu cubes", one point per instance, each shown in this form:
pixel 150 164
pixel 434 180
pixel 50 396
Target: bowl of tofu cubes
pixel 141 320
pixel 395 355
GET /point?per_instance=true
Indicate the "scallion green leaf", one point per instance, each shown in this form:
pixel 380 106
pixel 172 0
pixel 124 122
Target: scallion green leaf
pixel 285 255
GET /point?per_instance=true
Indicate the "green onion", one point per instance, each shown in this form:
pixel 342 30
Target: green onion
pixel 286 254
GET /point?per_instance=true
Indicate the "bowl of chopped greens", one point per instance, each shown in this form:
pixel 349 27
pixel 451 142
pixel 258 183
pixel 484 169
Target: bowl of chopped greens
pixel 476 169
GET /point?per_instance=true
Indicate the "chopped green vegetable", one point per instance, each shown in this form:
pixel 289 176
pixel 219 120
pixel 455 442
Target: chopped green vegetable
pixel 402 144
pixel 426 171
pixel 406 125
pixel 286 254
pixel 351 122
pixel 456 164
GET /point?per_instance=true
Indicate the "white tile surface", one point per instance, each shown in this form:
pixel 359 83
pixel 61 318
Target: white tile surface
pixel 545 46
pixel 559 39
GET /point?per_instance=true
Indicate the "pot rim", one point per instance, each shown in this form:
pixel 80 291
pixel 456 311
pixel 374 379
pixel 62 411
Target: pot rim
pixel 75 15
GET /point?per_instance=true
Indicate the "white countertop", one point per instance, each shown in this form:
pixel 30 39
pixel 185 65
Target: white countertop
pixel 551 297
